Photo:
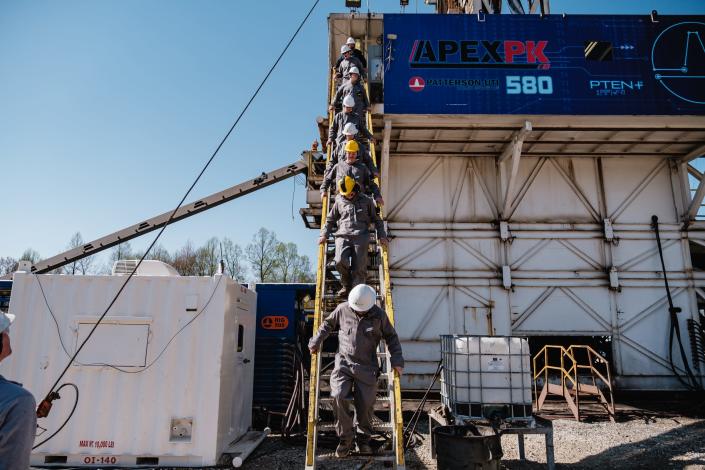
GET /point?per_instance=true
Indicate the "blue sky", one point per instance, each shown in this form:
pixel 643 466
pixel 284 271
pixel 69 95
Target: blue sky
pixel 109 109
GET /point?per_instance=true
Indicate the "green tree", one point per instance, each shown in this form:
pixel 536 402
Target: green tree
pixel 262 255
pixel 207 258
pixel 81 266
pixel 184 260
pixel 233 258
pixel 8 265
pixel 290 266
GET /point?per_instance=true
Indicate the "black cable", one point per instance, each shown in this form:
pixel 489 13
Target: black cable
pixel 171 217
pixel 205 306
pixel 675 327
pixel 144 368
pixel 414 421
pixel 75 404
pixel 46 302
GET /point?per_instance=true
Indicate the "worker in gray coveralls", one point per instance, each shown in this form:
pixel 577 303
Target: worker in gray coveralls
pixel 354 168
pixel 347 115
pixel 362 325
pixel 352 213
pixel 18 420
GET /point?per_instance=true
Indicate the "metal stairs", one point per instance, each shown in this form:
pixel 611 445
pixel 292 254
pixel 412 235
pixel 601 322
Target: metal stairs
pixel 387 411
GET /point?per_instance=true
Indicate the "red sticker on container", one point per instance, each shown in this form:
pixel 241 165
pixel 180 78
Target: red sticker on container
pixel 274 322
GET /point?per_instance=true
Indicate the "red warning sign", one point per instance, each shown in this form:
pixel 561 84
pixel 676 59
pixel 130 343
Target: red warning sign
pixel 417 83
pixel 274 322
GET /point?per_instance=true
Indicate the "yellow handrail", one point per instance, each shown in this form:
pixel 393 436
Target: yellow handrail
pixel 389 307
pixel 318 314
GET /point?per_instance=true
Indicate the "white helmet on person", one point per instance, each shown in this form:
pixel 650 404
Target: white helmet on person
pixel 350 40
pixel 349 101
pixel 362 298
pixel 5 320
pixel 350 129
pixel 344 48
pixel 354 70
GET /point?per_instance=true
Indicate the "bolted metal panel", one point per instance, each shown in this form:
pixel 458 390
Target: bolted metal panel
pixel 451 240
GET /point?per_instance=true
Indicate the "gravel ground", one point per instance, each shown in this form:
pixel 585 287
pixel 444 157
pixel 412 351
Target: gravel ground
pixel 639 439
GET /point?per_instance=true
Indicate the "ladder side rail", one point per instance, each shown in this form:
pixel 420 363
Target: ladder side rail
pixel 154 223
pixel 314 376
pixel 389 309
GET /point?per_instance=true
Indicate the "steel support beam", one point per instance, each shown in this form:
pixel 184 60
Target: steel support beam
pixel 693 154
pixel 696 202
pixel 694 172
pixel 513 150
pixel 187 210
pixel 384 164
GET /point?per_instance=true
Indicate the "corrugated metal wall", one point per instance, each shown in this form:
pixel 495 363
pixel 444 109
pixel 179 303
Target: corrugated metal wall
pixel 447 256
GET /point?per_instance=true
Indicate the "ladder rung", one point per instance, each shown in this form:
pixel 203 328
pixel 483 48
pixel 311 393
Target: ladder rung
pixel 379 400
pixel 327 426
pixel 378 458
pixel 332 354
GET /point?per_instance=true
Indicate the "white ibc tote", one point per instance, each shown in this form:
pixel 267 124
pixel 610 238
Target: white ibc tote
pixel 182 408
pixel 486 374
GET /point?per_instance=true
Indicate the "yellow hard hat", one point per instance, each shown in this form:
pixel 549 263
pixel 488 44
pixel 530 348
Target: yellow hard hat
pixel 347 185
pixel 352 146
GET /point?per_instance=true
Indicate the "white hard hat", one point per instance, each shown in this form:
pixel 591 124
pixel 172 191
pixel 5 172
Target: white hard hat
pixel 350 129
pixel 349 101
pixel 362 297
pixel 350 41
pixel 354 70
pixel 5 320
pixel 344 48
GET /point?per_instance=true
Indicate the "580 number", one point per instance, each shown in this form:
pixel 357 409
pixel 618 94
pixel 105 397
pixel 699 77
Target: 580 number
pixel 529 85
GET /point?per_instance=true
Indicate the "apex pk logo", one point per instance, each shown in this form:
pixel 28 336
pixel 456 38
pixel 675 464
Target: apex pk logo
pixel 479 54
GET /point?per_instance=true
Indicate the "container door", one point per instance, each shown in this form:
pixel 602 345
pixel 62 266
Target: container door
pixel 244 358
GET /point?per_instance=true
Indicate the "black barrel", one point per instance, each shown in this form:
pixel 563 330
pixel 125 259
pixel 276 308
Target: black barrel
pixel 466 448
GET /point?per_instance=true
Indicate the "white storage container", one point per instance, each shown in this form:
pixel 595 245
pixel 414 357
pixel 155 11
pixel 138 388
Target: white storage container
pixel 485 375
pixel 184 347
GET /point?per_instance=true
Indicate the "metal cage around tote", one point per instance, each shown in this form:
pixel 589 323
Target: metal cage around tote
pixel 486 376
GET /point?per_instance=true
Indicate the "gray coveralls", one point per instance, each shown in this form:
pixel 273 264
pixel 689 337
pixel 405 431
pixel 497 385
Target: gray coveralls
pixel 357 53
pixel 358 93
pixel 356 363
pixel 335 132
pixel 345 66
pixel 353 218
pixel 18 425
pixel 357 171
pixel 363 155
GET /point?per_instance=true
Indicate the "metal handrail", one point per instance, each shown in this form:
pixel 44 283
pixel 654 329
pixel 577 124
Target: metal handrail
pixel 598 358
pixel 571 373
pixel 565 373
pixel 389 308
pixel 317 316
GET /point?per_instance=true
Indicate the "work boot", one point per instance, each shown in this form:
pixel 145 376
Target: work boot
pixel 343 292
pixel 343 449
pixel 364 448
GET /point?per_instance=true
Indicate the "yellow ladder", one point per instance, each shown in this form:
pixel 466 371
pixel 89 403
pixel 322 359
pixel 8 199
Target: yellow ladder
pixel 320 417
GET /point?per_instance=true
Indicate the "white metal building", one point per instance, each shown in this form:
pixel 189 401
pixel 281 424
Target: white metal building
pixel 539 225
pixel 166 379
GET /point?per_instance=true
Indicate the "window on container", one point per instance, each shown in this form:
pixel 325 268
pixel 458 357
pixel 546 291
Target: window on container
pixel 598 51
pixel 240 337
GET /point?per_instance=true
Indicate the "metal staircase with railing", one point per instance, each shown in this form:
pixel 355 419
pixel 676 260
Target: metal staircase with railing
pixel 387 411
pixel 575 372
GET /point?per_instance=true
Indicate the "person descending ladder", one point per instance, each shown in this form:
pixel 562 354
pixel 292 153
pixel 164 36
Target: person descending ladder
pixel 386 420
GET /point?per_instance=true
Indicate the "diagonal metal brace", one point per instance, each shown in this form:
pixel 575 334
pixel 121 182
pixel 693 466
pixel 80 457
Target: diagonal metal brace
pixel 513 150
pixel 187 210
